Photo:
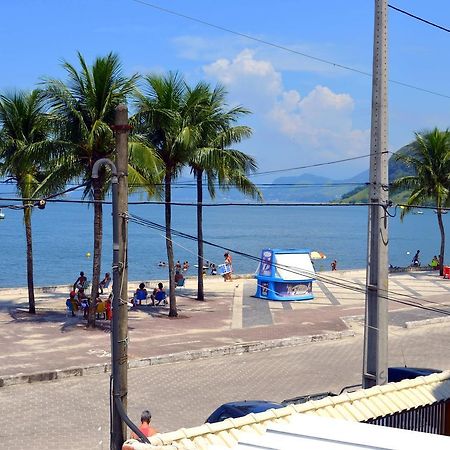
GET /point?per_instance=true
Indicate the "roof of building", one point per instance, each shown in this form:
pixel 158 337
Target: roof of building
pixel 357 406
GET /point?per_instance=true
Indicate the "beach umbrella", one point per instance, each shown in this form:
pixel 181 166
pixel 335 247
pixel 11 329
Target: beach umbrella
pixel 317 255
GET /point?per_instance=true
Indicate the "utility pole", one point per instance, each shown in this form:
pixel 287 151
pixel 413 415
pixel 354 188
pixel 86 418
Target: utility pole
pixel 120 381
pixel 376 323
pixel 119 332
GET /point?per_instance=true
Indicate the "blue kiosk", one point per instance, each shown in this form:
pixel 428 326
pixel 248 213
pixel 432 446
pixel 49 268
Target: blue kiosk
pixel 285 275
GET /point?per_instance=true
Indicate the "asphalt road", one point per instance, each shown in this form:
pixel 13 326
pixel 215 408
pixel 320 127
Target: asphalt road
pixel 73 413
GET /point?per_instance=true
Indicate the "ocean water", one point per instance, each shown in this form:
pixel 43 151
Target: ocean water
pixel 63 233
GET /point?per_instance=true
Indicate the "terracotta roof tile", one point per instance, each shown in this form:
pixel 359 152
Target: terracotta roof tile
pixel 360 405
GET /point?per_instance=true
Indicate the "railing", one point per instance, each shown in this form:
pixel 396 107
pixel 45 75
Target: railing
pixel 428 419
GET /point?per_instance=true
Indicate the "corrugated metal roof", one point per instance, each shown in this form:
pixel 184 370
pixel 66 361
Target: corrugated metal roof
pixel 311 432
pixel 356 406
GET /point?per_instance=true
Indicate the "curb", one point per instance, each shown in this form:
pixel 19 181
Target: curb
pixel 189 355
pixel 422 323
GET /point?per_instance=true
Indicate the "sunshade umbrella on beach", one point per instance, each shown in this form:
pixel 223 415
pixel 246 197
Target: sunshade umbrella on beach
pixel 317 255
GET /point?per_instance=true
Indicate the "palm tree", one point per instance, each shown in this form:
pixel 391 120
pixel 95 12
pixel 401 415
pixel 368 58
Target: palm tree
pixel 25 147
pixel 85 106
pixel 430 159
pixel 213 158
pixel 166 122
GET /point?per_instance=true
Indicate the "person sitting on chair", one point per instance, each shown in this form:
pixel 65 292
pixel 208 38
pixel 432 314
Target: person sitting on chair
pixel 84 302
pixel 159 295
pixel 71 303
pixel 140 294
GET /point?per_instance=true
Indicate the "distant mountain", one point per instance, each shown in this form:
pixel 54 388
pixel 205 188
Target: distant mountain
pixel 301 188
pixel 310 188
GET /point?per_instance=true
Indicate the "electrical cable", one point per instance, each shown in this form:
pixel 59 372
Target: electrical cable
pixel 326 279
pixel 221 204
pixel 191 184
pixel 281 47
pixel 206 205
pixel 419 18
pixel 314 165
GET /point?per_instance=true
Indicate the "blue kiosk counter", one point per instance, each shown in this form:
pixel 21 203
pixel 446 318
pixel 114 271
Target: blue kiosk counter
pixel 285 275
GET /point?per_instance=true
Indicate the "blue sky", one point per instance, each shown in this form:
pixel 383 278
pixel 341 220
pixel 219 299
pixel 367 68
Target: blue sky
pixel 304 112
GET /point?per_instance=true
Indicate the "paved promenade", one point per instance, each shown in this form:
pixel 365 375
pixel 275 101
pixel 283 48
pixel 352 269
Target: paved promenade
pixel 230 318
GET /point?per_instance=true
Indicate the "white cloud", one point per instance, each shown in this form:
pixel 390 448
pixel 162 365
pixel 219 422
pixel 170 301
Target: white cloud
pixel 319 122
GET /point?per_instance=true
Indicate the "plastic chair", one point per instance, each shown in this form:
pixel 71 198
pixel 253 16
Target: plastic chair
pixel 139 296
pixel 100 310
pixel 161 296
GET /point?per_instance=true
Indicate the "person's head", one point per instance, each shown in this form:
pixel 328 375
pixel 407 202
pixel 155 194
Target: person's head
pixel 81 274
pixel 72 294
pixel 146 416
pixel 160 285
pixel 107 274
pixel 142 286
pixel 225 255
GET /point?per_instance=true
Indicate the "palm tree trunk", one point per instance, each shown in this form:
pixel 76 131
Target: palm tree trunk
pixel 442 230
pixel 170 260
pixel 98 238
pixel 30 280
pixel 200 289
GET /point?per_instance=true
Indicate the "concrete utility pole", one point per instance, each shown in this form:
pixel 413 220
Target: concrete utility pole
pixel 376 324
pixel 119 332
pixel 120 382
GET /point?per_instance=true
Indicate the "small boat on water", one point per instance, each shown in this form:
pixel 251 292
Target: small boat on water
pixel 2 214
pixel 418 212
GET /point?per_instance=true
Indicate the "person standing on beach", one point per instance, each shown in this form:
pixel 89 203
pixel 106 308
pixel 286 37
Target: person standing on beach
pixel 415 260
pixel 334 265
pixel 81 280
pixel 105 282
pixel 228 261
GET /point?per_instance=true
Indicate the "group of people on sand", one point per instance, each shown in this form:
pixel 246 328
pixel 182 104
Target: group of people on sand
pixel 78 300
pixel 208 266
pixel 157 297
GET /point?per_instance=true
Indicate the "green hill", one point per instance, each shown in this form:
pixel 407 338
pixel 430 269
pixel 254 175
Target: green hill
pixel 397 169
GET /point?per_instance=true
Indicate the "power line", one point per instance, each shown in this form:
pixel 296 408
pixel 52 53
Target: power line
pixel 328 163
pixel 281 47
pixel 206 205
pixel 215 204
pixel 327 279
pixel 419 18
pixel 186 185
pixel 33 201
